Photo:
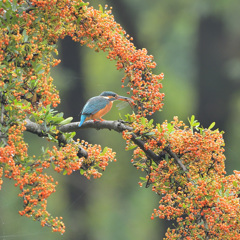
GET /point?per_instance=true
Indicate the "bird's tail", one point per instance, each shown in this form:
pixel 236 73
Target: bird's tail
pixel 83 118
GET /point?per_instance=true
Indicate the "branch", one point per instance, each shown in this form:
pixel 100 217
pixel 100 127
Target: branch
pixel 41 131
pixel 35 128
pixel 156 158
pixel 2 136
pixel 117 126
pixel 2 108
pixel 179 162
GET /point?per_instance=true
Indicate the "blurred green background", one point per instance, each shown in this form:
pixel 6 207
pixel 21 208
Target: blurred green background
pixel 197 46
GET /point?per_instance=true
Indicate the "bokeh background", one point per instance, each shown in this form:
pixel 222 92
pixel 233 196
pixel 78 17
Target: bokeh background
pixel 197 46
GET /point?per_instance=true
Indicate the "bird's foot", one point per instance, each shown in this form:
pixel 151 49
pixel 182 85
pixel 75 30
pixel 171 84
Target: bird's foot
pixel 98 120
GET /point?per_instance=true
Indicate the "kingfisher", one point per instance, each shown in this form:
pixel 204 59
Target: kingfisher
pixel 98 106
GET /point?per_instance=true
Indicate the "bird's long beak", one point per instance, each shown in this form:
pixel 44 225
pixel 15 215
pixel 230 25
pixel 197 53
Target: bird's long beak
pixel 122 98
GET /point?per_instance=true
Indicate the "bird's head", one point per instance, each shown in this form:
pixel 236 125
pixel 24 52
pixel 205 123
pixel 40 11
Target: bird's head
pixel 112 96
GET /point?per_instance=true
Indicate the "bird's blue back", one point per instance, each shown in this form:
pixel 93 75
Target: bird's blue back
pixel 94 104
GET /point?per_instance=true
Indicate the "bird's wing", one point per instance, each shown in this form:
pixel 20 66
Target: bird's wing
pixel 94 104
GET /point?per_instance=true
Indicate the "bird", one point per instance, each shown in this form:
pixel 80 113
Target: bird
pixel 98 106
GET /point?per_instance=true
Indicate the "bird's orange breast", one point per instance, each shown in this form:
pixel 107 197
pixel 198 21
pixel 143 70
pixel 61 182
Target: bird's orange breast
pixel 102 112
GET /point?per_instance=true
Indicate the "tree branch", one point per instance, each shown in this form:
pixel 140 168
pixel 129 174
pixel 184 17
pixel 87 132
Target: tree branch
pixel 175 157
pixel 2 136
pixel 41 131
pixel 35 128
pixel 117 126
pixel 179 162
pixel 149 153
pixel 2 108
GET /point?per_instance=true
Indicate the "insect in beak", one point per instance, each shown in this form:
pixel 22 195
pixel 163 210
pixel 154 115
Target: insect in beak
pixel 125 99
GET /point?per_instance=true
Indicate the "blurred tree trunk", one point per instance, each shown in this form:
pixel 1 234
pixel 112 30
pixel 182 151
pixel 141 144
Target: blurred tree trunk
pixel 71 62
pixel 73 102
pixel 214 86
pixel 215 50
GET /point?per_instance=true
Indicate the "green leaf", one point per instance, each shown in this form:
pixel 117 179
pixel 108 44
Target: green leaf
pixel 211 125
pixel 201 130
pixel 100 8
pixel 51 138
pixel 3 66
pixel 41 71
pixel 82 171
pixel 194 123
pixel 209 197
pixel 70 135
pixel 128 118
pixel 53 165
pixel 66 121
pixel 120 116
pixel 65 172
pixel 159 128
pixel 192 118
pixel 8 15
pixel 25 36
pixel 139 137
pixel 81 4
pixel 131 147
pixel 142 178
pixel 53 119
pixel 170 127
pixel 149 133
pixel 26 106
pixel 6 5
pixel 150 122
pixel 143 121
pixel 104 151
pixel 79 20
pixel 235 184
